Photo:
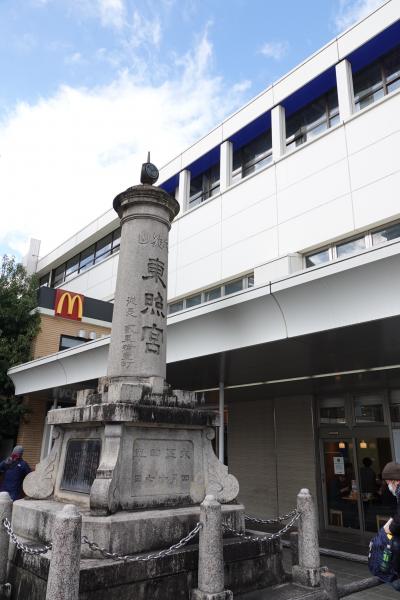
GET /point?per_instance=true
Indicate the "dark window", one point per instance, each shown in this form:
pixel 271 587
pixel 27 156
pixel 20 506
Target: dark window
pixel 58 275
pixel 204 186
pixel 252 157
pixel 378 79
pixel 312 120
pixel 72 267
pixel 233 286
pixel 116 239
pixel 44 281
pixel 212 294
pixel 175 307
pixel 69 341
pixel 193 301
pixel 87 258
pixel 103 248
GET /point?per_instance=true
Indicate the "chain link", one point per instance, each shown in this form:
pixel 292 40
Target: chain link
pixel 20 545
pixel 281 519
pixel 269 536
pixel 139 558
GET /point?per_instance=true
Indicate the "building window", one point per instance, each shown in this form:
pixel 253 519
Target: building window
pixel 230 287
pixel 319 258
pixel 87 258
pixel 395 407
pixel 204 186
pixel 378 79
pixel 368 409
pixel 350 247
pixel 252 157
pixel 386 234
pixel 312 120
pixel 69 341
pixel 44 281
pixel 332 410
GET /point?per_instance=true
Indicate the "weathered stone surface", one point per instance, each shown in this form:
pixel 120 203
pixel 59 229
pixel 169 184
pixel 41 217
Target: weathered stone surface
pixel 123 532
pixel 307 572
pixel 138 339
pixel 248 566
pixel 211 561
pixel 63 578
pixel 5 513
pixel 40 483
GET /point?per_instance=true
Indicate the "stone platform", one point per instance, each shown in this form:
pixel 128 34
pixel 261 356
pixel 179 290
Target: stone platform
pixel 248 566
pixel 123 532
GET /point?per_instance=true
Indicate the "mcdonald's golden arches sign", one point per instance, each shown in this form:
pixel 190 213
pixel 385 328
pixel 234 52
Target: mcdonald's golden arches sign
pixel 69 305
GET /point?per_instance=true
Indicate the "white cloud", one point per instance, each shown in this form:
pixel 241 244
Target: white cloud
pixel 145 30
pixel 73 59
pixel 275 50
pixel 112 12
pixel 351 11
pixel 64 158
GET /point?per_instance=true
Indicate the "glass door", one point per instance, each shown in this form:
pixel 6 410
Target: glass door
pixel 340 483
pixel 377 503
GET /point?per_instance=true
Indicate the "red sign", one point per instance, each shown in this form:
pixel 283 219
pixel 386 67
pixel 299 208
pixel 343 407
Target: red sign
pixel 69 305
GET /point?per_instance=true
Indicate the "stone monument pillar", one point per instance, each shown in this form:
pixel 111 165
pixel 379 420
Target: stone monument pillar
pixel 137 357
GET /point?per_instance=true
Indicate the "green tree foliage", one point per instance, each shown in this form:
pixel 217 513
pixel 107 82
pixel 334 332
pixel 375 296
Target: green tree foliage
pixel 19 325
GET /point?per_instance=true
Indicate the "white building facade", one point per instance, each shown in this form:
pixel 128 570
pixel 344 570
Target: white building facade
pixel 283 286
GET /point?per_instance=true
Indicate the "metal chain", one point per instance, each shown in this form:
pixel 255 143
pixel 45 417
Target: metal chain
pixel 20 545
pixel 138 558
pixel 289 515
pixel 262 538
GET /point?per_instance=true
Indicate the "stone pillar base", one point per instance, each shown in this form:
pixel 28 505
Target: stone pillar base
pixel 199 595
pixel 307 577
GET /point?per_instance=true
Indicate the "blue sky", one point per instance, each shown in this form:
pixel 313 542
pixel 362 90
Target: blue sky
pixel 89 85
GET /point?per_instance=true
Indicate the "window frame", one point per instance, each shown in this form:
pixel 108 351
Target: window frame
pixel 382 85
pixel 208 187
pixel 303 132
pixel 242 170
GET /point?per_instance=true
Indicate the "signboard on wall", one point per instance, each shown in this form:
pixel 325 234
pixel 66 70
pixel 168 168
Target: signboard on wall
pixel 69 305
pixel 338 465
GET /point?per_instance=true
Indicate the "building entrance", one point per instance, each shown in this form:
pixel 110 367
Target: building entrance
pixel 355 497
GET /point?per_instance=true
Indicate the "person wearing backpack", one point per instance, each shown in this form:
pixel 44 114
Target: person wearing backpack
pixel 14 470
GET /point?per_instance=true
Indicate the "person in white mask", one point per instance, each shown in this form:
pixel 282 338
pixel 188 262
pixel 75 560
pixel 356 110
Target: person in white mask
pixel 391 474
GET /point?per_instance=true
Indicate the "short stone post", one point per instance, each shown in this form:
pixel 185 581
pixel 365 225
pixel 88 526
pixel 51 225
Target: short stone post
pixel 5 513
pixel 211 557
pixel 63 580
pixel 307 572
pixel 329 585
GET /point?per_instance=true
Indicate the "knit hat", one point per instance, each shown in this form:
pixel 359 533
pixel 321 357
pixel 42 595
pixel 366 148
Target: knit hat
pixel 18 450
pixel 391 471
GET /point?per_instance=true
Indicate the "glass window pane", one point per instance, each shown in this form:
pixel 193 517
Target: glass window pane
pixel 391 65
pixel 59 274
pixel 212 294
pixel 368 85
pixel 116 238
pixel 44 281
pixel 350 247
pixel 72 267
pixel 103 247
pixel 395 407
pixel 87 258
pixel 67 341
pixel 175 307
pixel 385 235
pixel 332 410
pixel 233 286
pixel 368 409
pixel 193 301
pixel 318 258
pixel 250 281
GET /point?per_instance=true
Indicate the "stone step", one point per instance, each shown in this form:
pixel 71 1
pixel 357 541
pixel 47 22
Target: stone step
pixel 284 591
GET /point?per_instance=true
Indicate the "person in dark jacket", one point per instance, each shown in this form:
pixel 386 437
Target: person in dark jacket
pixel 14 470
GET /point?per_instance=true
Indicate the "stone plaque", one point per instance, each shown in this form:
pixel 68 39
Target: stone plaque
pixel 81 462
pixel 162 467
